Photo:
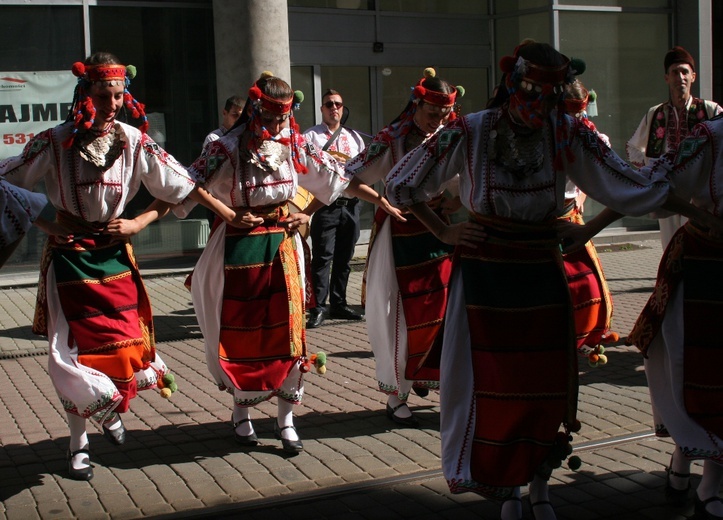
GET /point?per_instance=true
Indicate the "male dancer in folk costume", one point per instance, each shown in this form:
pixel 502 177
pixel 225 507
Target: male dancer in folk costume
pixel 248 285
pixel 91 300
pixel 407 268
pixel 508 374
pixel 665 125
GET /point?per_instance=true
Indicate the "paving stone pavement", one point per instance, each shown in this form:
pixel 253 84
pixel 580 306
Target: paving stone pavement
pixel 180 459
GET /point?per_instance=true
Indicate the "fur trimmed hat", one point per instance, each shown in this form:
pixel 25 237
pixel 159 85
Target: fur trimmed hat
pixel 678 55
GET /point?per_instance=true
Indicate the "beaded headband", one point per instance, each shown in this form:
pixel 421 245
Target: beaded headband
pixel 106 73
pixel 576 106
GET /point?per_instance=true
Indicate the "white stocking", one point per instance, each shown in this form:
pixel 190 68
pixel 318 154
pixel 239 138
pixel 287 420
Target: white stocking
pixel 239 414
pixel 78 440
pixel 286 418
pixel 540 494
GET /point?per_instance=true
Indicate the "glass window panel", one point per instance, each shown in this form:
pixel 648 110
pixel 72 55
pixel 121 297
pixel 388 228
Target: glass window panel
pixel 509 32
pixel 476 87
pixel 302 78
pixel 334 4
pixel 624 57
pixel 511 6
pixel 621 3
pixel 176 80
pixel 434 6
pixel 39 38
pixel 176 76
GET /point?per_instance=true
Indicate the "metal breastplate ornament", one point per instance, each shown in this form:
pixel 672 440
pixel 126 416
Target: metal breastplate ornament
pixel 519 151
pixel 101 148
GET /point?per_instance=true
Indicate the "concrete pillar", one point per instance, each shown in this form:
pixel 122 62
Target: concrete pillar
pixel 694 31
pixel 250 36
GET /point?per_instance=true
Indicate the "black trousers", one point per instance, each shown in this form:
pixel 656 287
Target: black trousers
pixel 334 233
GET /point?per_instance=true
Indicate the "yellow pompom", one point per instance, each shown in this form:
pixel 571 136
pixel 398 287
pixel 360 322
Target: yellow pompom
pixel 602 359
pixel 429 72
pixel 321 369
pixel 266 74
pixel 166 393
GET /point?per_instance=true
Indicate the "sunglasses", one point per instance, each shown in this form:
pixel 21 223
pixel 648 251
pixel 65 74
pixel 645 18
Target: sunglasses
pixel 333 104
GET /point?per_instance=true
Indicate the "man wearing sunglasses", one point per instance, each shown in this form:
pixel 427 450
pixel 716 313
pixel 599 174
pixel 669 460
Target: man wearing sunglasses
pixel 334 228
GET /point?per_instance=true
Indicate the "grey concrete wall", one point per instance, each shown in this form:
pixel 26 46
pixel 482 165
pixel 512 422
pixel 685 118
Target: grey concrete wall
pixel 250 36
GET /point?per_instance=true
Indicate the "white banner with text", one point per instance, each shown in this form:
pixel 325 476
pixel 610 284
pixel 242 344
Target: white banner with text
pixel 31 102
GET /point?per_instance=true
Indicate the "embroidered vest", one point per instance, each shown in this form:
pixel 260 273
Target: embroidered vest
pixel 656 138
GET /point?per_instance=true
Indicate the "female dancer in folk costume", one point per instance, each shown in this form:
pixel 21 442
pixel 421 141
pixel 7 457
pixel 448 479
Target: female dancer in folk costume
pixel 91 300
pixel 508 372
pixel 254 327
pixel 679 331
pixel 19 208
pixel 591 299
pixel 407 267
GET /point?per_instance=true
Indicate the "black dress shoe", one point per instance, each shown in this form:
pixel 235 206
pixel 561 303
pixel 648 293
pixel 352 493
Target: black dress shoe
pixel 288 446
pixel 79 474
pixel 244 440
pixel 344 312
pixel 316 318
pixel 117 436
pixel 410 421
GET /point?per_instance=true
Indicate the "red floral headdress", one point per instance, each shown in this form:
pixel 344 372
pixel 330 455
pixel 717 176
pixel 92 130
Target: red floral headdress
pixel 109 74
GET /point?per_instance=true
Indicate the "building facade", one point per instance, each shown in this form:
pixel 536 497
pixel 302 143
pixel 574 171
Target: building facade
pixel 192 55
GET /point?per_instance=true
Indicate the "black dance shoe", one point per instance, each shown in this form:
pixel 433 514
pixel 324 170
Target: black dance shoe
pixel 421 391
pixel 675 497
pixel 117 436
pixel 701 513
pixel 541 503
pixel 410 421
pixel 288 446
pixel 244 440
pixel 344 312
pixel 79 474
pixel 316 318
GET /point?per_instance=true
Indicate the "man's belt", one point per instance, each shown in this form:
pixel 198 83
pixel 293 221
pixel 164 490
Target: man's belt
pixel 343 201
